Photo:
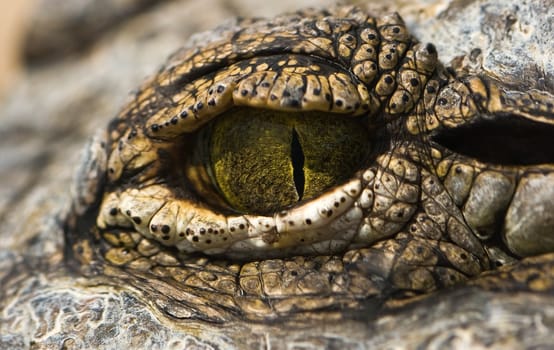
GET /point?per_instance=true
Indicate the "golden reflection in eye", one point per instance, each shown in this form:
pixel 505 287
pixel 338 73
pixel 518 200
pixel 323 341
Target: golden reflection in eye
pixel 260 161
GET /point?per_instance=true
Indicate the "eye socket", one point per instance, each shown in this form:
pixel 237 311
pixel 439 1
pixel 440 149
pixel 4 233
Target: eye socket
pixel 259 161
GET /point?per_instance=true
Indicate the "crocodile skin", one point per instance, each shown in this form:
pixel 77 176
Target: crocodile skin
pixel 429 211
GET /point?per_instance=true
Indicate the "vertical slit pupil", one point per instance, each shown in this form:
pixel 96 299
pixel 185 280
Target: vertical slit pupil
pixel 297 157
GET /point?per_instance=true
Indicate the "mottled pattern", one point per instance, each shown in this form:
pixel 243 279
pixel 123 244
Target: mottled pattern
pixel 419 218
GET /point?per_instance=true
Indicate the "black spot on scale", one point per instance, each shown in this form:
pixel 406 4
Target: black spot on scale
pixel 195 239
pixel 220 89
pixel 153 228
pixel 405 98
pixel 431 49
pixel 414 82
pixel 155 127
pixel 338 103
pixel 431 89
pixel 308 221
pixel 442 101
pixel 396 30
pixel 166 229
pixel 211 102
pixel 184 114
pixel 294 103
pixel 388 79
pixel 113 211
pixel 265 84
pixel 174 120
pixel 244 92
pixel 316 92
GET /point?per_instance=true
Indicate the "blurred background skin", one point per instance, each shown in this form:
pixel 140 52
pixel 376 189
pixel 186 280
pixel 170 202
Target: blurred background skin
pixel 14 21
pixel 23 40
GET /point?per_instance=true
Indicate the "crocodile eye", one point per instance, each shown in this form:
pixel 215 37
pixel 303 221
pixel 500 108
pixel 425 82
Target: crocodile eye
pixel 260 161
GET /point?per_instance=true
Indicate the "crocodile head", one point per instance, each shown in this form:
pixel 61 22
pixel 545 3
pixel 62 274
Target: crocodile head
pixel 309 165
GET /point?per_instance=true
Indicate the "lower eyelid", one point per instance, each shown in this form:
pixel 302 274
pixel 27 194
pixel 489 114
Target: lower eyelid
pixel 189 227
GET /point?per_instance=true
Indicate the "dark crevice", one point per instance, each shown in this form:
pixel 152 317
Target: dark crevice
pixel 503 139
pixel 297 157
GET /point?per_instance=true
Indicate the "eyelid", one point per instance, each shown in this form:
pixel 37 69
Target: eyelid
pixel 191 227
pixel 298 83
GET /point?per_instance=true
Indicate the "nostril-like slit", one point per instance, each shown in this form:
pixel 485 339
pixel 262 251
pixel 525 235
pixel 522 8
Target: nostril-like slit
pixel 504 140
pixel 297 157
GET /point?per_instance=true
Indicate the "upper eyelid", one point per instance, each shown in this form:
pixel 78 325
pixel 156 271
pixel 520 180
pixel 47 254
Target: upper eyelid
pixel 191 65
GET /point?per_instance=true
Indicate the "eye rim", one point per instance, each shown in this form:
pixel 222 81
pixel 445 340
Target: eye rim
pixel 195 64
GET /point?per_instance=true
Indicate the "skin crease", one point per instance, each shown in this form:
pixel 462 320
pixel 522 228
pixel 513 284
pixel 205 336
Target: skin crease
pixel 205 291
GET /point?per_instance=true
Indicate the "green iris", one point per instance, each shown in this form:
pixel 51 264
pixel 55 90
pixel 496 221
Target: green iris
pixel 264 160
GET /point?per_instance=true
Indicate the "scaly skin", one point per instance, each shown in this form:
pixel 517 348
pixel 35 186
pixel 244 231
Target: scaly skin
pixel 118 285
pixel 417 218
